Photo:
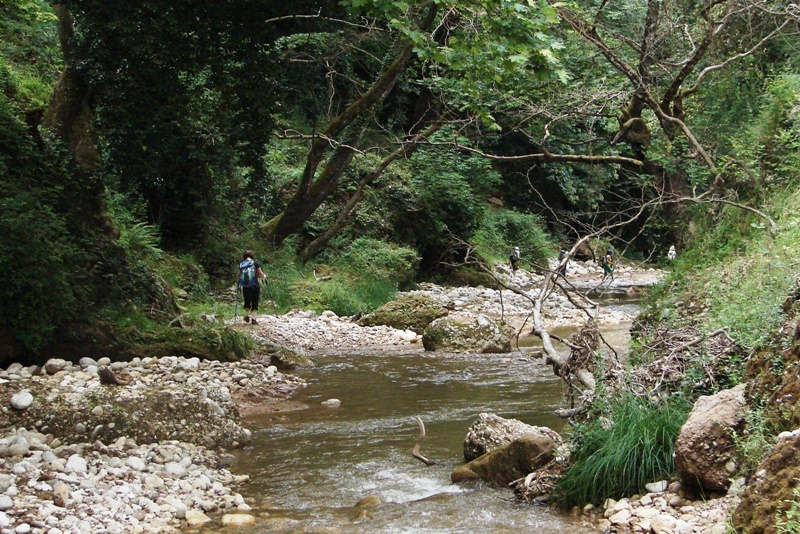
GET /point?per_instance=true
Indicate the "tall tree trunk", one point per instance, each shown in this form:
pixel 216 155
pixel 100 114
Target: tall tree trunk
pixel 70 115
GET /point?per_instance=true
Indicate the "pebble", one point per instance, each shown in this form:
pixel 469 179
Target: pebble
pixel 664 512
pixel 119 486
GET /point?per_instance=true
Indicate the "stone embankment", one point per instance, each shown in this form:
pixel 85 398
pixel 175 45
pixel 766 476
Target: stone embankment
pixel 81 454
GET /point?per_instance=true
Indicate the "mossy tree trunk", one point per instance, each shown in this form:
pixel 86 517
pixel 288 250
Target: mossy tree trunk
pixel 70 116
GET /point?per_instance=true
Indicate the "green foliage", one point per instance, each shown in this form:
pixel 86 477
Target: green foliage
pixel 788 522
pixel 378 260
pixel 352 297
pixel 29 55
pixel 39 260
pixel 757 439
pixel 197 337
pixel 627 446
pixel 501 230
pixel 746 272
pixel 140 242
pixel 182 131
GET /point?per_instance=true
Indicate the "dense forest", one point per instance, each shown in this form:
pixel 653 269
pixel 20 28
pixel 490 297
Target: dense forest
pixel 145 145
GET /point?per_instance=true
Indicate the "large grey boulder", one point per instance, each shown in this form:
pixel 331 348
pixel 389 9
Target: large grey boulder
pixel 510 462
pixel 466 333
pixel 705 449
pixel 490 432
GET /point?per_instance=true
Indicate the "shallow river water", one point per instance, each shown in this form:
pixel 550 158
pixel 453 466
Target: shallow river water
pixel 310 467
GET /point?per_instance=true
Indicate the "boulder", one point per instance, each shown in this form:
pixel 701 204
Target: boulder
pixel 466 333
pixel 490 432
pixel 771 491
pixel 408 312
pixel 705 445
pixel 54 365
pixel 510 462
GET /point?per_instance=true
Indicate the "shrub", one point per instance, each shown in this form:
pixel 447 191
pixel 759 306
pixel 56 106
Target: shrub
pixel 378 260
pixel 502 229
pixel 617 454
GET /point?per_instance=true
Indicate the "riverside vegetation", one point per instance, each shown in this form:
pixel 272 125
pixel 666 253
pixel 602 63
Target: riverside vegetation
pixel 363 148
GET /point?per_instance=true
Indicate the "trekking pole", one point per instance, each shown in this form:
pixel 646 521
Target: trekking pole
pixel 236 306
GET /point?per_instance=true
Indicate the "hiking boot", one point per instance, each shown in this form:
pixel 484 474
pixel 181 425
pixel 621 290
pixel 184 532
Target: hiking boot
pixel 253 321
pixel 247 318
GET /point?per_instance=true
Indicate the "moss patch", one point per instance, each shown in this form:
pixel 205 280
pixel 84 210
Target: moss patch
pixel 408 312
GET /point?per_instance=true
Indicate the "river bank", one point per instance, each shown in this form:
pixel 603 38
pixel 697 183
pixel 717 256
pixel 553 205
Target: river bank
pixel 147 453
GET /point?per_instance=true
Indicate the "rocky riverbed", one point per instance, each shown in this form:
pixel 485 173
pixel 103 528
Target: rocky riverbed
pixel 101 446
pixel 305 330
pixel 127 446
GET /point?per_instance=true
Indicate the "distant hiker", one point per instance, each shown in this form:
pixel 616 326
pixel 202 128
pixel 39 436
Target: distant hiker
pixel 608 264
pixel 514 259
pixel 561 255
pixel 249 274
pixel 672 254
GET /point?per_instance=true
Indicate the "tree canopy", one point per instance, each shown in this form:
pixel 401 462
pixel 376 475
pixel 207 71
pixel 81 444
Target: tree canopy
pixel 208 126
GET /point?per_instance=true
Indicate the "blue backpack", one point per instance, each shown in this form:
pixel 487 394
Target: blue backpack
pixel 247 274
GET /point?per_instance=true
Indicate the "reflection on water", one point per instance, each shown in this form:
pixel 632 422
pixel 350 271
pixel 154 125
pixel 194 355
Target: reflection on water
pixel 310 467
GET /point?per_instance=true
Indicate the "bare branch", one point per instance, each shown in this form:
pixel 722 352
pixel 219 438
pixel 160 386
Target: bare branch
pixel 730 60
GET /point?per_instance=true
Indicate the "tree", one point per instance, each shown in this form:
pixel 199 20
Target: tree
pixel 428 47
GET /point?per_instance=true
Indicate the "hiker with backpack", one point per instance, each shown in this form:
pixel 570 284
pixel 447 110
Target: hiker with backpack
pixel 608 264
pixel 249 274
pixel 513 260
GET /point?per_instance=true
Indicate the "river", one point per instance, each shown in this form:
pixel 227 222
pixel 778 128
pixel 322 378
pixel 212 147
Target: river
pixel 310 467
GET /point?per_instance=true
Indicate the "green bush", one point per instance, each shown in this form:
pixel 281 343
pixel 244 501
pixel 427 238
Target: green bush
pixel 39 260
pixel 374 259
pixel 619 452
pixel 349 296
pixel 502 229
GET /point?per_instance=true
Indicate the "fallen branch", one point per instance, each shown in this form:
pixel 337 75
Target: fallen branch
pixel 415 452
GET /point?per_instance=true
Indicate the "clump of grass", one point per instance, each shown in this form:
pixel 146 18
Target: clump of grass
pixel 617 454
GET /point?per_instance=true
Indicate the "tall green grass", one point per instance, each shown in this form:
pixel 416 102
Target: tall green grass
pixel 618 454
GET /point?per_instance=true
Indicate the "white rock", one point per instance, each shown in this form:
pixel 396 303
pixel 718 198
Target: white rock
pixel 77 464
pixel 662 523
pixel 179 509
pixel 238 520
pixel 657 487
pixel 195 518
pixel 22 400
pixel 86 362
pixel 6 503
pixel 620 518
pixel 54 365
pixel 136 463
pixel 332 403
pixel 176 469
